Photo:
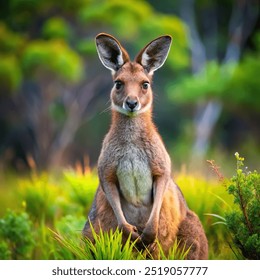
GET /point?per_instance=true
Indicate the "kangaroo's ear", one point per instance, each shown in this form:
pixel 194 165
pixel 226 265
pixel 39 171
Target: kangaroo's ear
pixel 153 55
pixel 111 53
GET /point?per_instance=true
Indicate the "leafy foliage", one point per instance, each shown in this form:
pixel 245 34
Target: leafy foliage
pixel 208 84
pixel 16 233
pixel 10 74
pixel 244 220
pixel 39 196
pixel 243 89
pixel 230 83
pixel 10 41
pixel 54 56
pixel 45 199
pixel 56 27
pixel 83 188
pixel 5 252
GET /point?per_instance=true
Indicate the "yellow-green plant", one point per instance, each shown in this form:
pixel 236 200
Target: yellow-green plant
pixel 244 220
pixel 106 246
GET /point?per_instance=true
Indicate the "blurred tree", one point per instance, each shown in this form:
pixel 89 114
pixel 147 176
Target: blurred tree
pixel 219 32
pixel 50 80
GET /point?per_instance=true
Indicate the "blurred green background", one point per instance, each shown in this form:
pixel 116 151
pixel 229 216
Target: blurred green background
pixel 54 92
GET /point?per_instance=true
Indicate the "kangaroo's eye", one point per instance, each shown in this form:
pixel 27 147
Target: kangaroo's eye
pixel 118 85
pixel 145 85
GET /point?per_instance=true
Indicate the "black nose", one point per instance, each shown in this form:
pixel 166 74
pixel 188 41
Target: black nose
pixel 131 104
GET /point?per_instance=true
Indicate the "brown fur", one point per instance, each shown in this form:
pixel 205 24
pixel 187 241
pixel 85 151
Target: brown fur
pixel 136 191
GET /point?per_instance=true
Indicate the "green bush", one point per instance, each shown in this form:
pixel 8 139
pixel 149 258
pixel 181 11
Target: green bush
pixel 39 196
pixel 5 252
pixel 243 221
pixel 55 57
pixel 16 235
pixel 10 73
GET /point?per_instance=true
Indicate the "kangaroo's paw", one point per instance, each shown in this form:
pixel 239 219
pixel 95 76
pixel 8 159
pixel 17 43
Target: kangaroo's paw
pixel 148 236
pixel 130 229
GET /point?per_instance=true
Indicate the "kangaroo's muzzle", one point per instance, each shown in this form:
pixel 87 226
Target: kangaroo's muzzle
pixel 131 104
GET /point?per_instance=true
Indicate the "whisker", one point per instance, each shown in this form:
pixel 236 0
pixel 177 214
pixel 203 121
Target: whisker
pixel 105 110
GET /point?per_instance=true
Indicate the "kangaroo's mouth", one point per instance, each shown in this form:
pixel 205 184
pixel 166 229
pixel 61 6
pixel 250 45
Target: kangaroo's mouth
pixel 131 112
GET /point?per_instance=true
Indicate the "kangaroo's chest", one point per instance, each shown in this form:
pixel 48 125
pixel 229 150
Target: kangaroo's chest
pixel 135 176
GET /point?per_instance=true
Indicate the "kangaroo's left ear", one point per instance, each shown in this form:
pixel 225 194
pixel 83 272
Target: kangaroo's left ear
pixel 153 55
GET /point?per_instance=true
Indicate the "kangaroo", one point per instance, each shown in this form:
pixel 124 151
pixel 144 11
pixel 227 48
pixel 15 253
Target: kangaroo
pixel 136 192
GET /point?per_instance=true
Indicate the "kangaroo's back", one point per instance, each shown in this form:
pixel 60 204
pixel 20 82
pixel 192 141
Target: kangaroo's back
pixel 136 191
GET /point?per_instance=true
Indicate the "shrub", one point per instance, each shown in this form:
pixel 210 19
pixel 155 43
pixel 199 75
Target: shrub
pixel 5 253
pixel 39 195
pixel 16 233
pixel 244 220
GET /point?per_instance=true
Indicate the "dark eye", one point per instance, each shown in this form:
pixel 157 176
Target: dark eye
pixel 118 85
pixel 145 85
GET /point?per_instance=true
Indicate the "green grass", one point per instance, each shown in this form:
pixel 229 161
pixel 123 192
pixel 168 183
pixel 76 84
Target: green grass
pixel 107 246
pixel 57 206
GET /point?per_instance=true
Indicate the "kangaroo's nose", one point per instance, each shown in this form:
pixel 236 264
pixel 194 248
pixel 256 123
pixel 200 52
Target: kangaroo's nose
pixel 131 104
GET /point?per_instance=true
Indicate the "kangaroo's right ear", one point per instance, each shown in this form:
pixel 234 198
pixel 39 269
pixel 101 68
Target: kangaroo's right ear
pixel 111 53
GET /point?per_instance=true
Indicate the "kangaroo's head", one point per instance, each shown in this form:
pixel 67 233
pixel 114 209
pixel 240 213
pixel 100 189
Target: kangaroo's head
pixel 132 93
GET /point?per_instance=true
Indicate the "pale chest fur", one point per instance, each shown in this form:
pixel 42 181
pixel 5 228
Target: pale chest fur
pixel 134 175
